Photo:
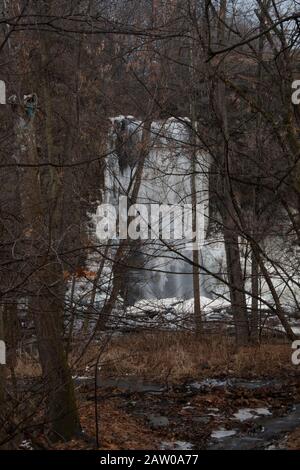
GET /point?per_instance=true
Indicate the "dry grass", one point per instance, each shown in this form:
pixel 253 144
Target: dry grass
pixel 27 366
pixel 292 442
pixel 177 356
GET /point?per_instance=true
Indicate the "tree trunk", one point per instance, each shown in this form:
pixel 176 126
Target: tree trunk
pixel 228 212
pixel 40 210
pixel 47 312
pixel 196 254
pixel 12 336
pixel 236 283
pixel 3 406
pixel 254 322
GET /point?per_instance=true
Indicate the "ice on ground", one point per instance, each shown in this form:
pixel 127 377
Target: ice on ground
pixel 81 377
pixel 178 305
pixel 176 445
pixel 153 305
pixel 221 433
pixel 174 313
pixel 26 445
pixel 218 304
pixel 214 412
pixel 245 414
pixel 207 305
pixel 296 329
pixel 263 411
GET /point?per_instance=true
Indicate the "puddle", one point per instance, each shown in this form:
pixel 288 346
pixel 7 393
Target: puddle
pixel 130 383
pixel 263 429
pixel 256 384
pixel 133 383
pixel 254 428
pixel 271 429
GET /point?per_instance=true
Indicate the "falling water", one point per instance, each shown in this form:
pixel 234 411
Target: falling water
pixel 166 180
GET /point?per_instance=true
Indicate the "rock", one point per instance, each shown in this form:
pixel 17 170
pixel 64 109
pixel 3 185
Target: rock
pixel 158 421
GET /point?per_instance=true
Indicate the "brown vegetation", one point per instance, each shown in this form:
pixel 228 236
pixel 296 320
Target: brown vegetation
pixel 176 356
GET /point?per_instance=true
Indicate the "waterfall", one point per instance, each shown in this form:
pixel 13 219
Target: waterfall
pixel 166 180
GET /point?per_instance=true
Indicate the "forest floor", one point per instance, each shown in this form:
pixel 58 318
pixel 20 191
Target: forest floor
pixel 175 391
